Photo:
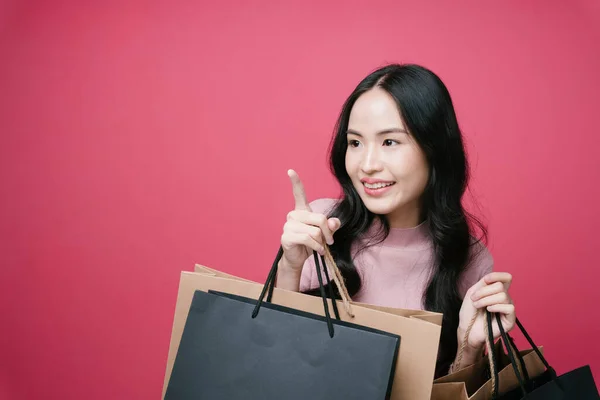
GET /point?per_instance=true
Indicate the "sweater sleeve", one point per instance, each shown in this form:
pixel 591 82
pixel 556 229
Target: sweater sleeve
pixel 481 264
pixel 308 279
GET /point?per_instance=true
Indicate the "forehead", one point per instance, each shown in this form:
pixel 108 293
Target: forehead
pixel 374 111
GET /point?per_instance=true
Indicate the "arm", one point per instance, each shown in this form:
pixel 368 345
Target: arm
pixel 481 264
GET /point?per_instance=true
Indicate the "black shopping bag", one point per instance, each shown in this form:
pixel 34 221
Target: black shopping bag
pixel 235 347
pixel 574 385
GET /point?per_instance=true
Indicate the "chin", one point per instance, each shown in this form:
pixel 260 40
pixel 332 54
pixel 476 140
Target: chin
pixel 379 206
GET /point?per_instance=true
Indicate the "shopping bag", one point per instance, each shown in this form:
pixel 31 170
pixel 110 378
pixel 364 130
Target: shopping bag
pixel 474 382
pixel 433 317
pixel 419 330
pixel 574 385
pixel 514 375
pixel 235 347
pixel 491 374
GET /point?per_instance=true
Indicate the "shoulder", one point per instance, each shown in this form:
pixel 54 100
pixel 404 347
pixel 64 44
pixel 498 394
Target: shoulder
pixel 481 263
pixel 480 257
pixel 323 206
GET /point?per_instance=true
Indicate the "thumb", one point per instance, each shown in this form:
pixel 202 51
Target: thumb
pixel 334 224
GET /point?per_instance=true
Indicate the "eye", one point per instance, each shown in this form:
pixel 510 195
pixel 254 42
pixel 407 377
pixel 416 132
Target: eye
pixel 353 143
pixel 389 142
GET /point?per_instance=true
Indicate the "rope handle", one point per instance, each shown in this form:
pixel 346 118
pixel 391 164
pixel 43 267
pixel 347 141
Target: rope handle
pixel 489 346
pixel 338 279
pixel 456 365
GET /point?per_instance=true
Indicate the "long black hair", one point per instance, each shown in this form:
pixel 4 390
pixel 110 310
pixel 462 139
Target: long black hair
pixel 426 108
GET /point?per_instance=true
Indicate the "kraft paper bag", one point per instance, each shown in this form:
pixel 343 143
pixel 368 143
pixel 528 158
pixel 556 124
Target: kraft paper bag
pixel 475 383
pixel 435 318
pixel 419 331
pixel 472 383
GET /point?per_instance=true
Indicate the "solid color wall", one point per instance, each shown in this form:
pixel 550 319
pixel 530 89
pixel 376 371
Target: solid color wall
pixel 139 138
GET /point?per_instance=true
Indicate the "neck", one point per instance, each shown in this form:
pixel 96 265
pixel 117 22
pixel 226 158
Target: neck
pixel 405 217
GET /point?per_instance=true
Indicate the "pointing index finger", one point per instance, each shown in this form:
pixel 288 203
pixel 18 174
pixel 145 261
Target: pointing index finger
pixel 299 194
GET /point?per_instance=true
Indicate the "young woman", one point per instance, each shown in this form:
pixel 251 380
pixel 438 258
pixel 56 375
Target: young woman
pixel 400 234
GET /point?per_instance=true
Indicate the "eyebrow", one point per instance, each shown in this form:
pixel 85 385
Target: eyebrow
pixel 383 132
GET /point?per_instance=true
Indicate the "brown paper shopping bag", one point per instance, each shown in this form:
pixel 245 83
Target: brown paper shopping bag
pixel 434 318
pixel 419 330
pixel 474 382
pixel 471 383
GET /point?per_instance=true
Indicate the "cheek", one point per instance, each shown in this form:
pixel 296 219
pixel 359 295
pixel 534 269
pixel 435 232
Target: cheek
pixel 411 166
pixel 421 169
pixel 351 164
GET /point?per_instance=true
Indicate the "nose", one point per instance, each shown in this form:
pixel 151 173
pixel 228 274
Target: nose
pixel 371 161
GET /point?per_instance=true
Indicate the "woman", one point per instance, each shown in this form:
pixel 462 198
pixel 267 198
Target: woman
pixel 400 234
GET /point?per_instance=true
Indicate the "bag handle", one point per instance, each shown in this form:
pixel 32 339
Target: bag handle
pixel 511 356
pixel 489 342
pixel 338 279
pixel 491 354
pixel 456 365
pixel 331 293
pixel 519 357
pixel 324 296
pixel 510 346
pixel 537 351
pixel 551 370
pixel 506 339
pixel 270 284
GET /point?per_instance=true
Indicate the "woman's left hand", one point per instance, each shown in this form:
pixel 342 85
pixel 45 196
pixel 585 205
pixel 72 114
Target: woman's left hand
pixel 490 293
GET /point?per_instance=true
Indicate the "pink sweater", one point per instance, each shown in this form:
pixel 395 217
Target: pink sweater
pixel 395 273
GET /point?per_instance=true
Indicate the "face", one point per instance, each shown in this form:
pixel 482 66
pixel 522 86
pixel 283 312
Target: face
pixel 387 167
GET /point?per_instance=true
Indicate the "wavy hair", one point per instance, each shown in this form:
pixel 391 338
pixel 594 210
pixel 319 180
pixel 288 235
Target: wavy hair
pixel 427 110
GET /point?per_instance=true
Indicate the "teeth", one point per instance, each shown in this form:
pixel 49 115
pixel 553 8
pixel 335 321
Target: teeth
pixel 376 185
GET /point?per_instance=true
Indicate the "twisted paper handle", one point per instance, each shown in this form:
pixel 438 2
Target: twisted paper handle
pixel 490 348
pixel 339 280
pixel 456 365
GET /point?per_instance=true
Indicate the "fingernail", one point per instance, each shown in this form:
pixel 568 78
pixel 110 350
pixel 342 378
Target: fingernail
pixel 330 241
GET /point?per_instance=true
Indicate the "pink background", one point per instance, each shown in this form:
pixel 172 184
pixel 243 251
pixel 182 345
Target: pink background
pixel 139 138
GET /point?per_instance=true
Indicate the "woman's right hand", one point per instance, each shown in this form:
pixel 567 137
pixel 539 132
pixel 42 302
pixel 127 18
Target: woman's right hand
pixel 304 230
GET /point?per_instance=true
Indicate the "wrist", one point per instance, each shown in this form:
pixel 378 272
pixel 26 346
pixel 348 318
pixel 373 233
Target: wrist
pixel 289 269
pixel 469 346
pixel 288 277
pixel 471 352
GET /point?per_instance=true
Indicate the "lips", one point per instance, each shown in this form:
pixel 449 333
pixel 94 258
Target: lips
pixel 376 187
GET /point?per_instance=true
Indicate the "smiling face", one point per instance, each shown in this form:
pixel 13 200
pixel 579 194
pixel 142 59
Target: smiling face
pixel 386 165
